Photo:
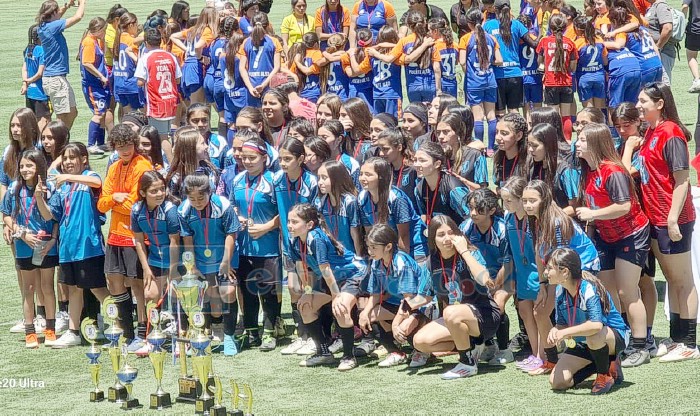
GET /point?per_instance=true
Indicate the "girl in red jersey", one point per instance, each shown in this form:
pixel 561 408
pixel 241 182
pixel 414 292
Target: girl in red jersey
pixel 666 194
pixel 622 232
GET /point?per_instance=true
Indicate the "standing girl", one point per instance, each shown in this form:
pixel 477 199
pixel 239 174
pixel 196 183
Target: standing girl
pixel 511 138
pixel 624 71
pixel 53 138
pixel 373 15
pixel 189 156
pixel 356 117
pixel 214 91
pixel 444 57
pixel 125 49
pixel 360 85
pixel 275 107
pixel 199 116
pixel 338 80
pixel 332 133
pixel 260 57
pixel 331 18
pixel 95 82
pixel 393 147
pixel 296 25
pixel 310 66
pixel 235 92
pixel 465 162
pixel 32 71
pixel 532 78
pixel 590 68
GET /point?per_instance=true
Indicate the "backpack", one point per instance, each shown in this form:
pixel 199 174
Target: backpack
pixel 679 25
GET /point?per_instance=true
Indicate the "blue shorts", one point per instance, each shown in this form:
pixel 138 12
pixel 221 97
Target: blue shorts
pixel 533 93
pixel 131 100
pixel 449 86
pixel 387 105
pixel 97 98
pixel 423 96
pixel 624 88
pixel 366 94
pixel 192 78
pixel 233 106
pixel 475 97
pixel 652 75
pixel 591 86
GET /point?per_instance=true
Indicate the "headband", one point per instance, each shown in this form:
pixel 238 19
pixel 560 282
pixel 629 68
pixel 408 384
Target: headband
pixel 363 43
pixel 254 147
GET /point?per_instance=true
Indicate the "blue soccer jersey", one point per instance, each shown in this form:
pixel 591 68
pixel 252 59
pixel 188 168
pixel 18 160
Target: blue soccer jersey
pixel 402 277
pixel 125 67
pixel 21 206
pixel 341 219
pixel 641 44
pixel 474 167
pixel 290 193
pixel 520 253
pixel 491 244
pixel 255 199
pixel 477 78
pixel 528 64
pixel 35 90
pixel 417 79
pixel 353 167
pixel 338 81
pixel 386 78
pixel 261 59
pixel 509 51
pixel 217 150
pixel 235 92
pixel 157 225
pixel 579 242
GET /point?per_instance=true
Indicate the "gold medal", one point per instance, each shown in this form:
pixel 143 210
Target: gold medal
pixel 570 343
pixel 250 222
pixel 425 233
pixel 308 290
pixel 207 253
pixel 455 302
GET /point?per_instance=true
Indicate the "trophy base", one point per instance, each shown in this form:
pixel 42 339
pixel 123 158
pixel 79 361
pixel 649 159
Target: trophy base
pixel 217 410
pixel 97 396
pixel 202 406
pixel 187 390
pixel 160 401
pixel 130 404
pixel 235 412
pixel 117 395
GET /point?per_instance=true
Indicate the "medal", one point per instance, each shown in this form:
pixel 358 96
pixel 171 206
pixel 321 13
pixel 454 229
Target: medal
pixel 207 253
pixel 308 290
pixel 570 343
pixel 250 222
pixel 425 233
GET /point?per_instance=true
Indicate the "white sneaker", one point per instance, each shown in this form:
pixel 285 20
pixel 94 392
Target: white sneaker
pixel 395 358
pixel 18 328
pixel 680 353
pixel 292 348
pixel 336 346
pixel 95 150
pixel 217 332
pixel 665 346
pixel 68 339
pixel 62 321
pixel 461 370
pixel 347 364
pixel 490 351
pixel 418 359
pixel 39 324
pixel 308 348
pixel 695 86
pixel 502 357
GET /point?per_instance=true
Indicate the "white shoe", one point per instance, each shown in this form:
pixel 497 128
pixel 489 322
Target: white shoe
pixel 336 346
pixel 39 324
pixel 395 358
pixel 418 359
pixel 309 348
pixel 217 332
pixel 461 370
pixel 347 364
pixel 292 348
pixel 95 150
pixel 18 328
pixel 68 339
pixel 680 353
pixel 695 86
pixel 62 320
pixel 144 351
pixel 502 357
pixel 665 346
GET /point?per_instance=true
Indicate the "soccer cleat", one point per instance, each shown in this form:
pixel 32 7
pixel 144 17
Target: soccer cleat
pixel 393 359
pixel 545 368
pixel 336 346
pixel 317 359
pixel 31 341
pixel 615 371
pixel 694 87
pixel 95 150
pixel 230 347
pixel 347 364
pixel 636 358
pixel 135 345
pixel 309 348
pixel 680 353
pixel 292 348
pixel 49 337
pixel 461 370
pixel 18 328
pixel 602 384
pixel 502 357
pixel 419 359
pixel 217 332
pixel 68 339
pixel 39 324
pixel 665 346
pixel 651 347
pixel 525 362
pixel 269 342
pixel 363 349
pixel 62 320
pixel 379 352
pixel 490 351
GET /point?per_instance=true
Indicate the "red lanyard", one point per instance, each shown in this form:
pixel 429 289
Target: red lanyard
pixel 358 148
pixel 400 175
pixel 430 207
pixel 512 168
pixel 28 212
pixel 69 200
pixel 337 158
pixel 250 201
pixel 369 13
pixel 454 266
pixel 302 251
pixel 205 223
pixel 154 226
pixel 333 219
pixel 387 273
pixel 569 319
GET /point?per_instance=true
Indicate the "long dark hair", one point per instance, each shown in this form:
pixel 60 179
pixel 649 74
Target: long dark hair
pixel 504 21
pixel 37 157
pixel 396 138
pixel 384 175
pixel 557 25
pixel 310 41
pixel 124 21
pixel 29 138
pixel 325 14
pixel 517 124
pixel 309 213
pixel 256 116
pixel 585 25
pixel 435 223
pixel 364 40
pixel 550 217
pixel 568 258
pixel 415 21
pixel 341 182
pixel 147 180
pixel 260 23
pixel 475 17
pixel 658 91
pixel 61 136
pixel 546 135
pixel 232 46
pixel 33 40
pixel 176 13
pixel 156 155
pixel 441 25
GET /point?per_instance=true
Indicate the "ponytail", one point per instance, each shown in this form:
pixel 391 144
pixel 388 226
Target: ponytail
pixel 475 17
pixel 260 23
pixel 124 21
pixel 504 23
pixel 557 24
pixel 440 24
pixel 416 22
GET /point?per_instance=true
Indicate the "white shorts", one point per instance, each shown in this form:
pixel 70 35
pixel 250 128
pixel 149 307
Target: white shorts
pixel 60 93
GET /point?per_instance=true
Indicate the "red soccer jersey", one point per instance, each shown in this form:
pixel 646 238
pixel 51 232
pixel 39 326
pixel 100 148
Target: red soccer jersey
pixel 609 185
pixel 663 152
pixel 546 47
pixel 160 71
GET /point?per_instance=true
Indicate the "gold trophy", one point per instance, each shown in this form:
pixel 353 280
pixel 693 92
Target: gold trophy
pixel 160 399
pixel 110 312
pixel 202 362
pixel 235 400
pixel 127 374
pixel 248 395
pixel 218 409
pixel 190 296
pixel 89 330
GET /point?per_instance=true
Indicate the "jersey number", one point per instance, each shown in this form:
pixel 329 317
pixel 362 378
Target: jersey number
pixel 529 54
pixel 593 51
pixel 258 55
pixel 383 72
pixel 165 85
pixel 448 65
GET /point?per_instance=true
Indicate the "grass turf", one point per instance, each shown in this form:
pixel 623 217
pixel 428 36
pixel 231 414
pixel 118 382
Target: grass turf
pixel 62 382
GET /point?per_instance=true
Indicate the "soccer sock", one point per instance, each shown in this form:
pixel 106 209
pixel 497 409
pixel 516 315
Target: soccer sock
pixel 206 311
pixel 101 136
pixel 347 335
pixel 690 335
pixel 51 324
pixel 41 310
pixel 94 133
pixel 674 326
pixel 29 329
pixel 230 317
pixel 325 317
pixel 63 306
pixel 503 332
pixel 584 373
pixel 270 307
pixel 223 129
pixel 567 127
pixel 316 334
pixel 126 317
pixel 638 343
pixel 492 133
pixel 601 359
pixel 141 330
pixel 466 357
pixel 302 332
pixel 650 336
pixel 551 354
pixel 479 130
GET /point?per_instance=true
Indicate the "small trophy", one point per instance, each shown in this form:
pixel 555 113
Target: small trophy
pixel 127 374
pixel 218 409
pixel 116 393
pixel 235 400
pixel 200 343
pixel 248 395
pixel 160 399
pixel 89 330
pixel 190 296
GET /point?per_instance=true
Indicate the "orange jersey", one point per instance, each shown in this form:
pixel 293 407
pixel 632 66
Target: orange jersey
pixel 312 56
pixel 331 22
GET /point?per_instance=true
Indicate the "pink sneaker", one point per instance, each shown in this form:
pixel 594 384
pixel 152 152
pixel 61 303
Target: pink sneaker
pixel 525 362
pixel 534 364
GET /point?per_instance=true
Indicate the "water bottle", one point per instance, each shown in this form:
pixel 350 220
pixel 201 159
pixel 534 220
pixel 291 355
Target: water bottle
pixel 43 238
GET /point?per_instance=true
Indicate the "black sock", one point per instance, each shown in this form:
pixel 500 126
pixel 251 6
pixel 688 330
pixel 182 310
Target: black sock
pixel 126 316
pixel 29 329
pixel 230 317
pixel 503 332
pixel 687 332
pixel 315 332
pixel 624 318
pixel 41 310
pixel 270 309
pixel 650 336
pixel 466 357
pixel 584 373
pixel 601 359
pixel 51 324
pixel 551 354
pixel 302 332
pixel 386 338
pixel 141 330
pixel 217 319
pixel 674 326
pixel 347 335
pixel 326 318
pixel 223 129
pixel 638 343
pixel 63 306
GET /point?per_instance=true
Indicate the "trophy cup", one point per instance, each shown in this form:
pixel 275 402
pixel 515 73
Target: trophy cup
pixel 190 296
pixel 116 393
pixel 127 374
pixel 248 394
pixel 218 409
pixel 235 399
pixel 160 399
pixel 89 330
pixel 200 343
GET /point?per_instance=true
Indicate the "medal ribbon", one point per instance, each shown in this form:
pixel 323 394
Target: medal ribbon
pixel 205 223
pixel 571 317
pixel 28 212
pixel 250 200
pixel 302 251
pixel 431 207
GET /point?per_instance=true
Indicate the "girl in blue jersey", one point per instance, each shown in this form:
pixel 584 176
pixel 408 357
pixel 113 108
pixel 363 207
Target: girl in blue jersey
pixel 198 116
pixel 251 118
pixel 373 15
pixel 338 80
pixel 444 56
pixel 327 108
pixel 190 155
pixel 386 77
pixel 252 192
pixel 360 84
pixel 551 228
pixel 32 71
pixel 332 132
pixel 587 319
pixel 394 276
pixel 511 138
pixel 642 45
pixel 275 107
pixel 32 233
pixel 624 72
pixel 208 226
pixel 533 94
pixel 214 91
pixel 74 206
pixel 381 202
pixel 590 67
pixel 327 276
pixel 95 81
pixel 393 147
pixel 465 162
pixel 478 54
pixel 195 41
pixel 53 138
pixel 337 202
pixel 485 229
pixel 125 50
pixel 356 117
pixel 310 67
pixel 260 59
pixel 235 92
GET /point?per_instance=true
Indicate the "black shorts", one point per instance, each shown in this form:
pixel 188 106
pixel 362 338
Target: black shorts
pixel 26 263
pixel 581 349
pixel 489 318
pixel 692 42
pixel 41 109
pixel 510 93
pixel 85 274
pixel 558 95
pixel 123 261
pixel 666 246
pixel 649 268
pixel 633 249
pixel 215 279
pixel 391 308
pixel 259 274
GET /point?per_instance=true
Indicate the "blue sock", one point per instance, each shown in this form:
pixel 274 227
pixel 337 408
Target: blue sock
pixel 479 130
pixel 100 136
pixel 93 133
pixel 492 133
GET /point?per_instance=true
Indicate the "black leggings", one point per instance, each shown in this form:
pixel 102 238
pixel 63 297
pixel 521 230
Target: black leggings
pixel 259 277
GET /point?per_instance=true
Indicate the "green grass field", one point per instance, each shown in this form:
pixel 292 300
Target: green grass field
pixel 61 378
